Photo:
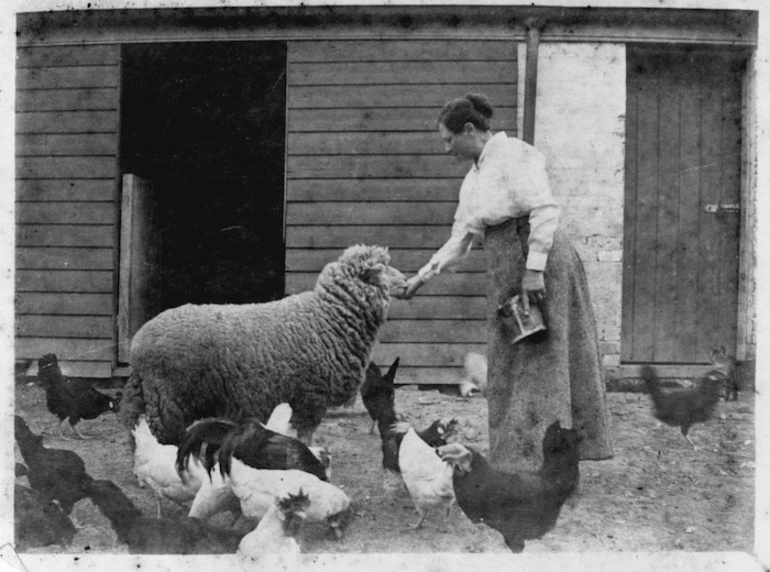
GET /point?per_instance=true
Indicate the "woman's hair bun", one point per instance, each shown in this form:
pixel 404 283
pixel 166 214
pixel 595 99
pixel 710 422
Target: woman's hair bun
pixel 480 103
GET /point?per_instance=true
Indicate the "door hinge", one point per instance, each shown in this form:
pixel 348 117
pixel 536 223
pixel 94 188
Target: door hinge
pixel 717 208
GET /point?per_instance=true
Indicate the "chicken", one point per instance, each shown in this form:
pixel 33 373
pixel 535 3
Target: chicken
pixel 683 407
pixel 474 376
pixel 280 422
pixel 155 466
pixel 256 490
pixel 426 476
pixel 524 505
pixel 58 474
pixel 148 535
pixel 276 539
pixel 392 433
pixel 378 392
pixel 38 521
pixel 71 399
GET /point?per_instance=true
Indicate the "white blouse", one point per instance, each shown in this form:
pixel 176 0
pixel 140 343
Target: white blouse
pixel 509 180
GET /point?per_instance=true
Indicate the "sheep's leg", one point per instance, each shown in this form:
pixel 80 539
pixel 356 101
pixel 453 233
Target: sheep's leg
pixel 419 523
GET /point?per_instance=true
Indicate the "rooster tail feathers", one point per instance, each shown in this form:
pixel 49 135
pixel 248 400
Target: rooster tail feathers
pixel 650 378
pixel 203 438
pixel 391 374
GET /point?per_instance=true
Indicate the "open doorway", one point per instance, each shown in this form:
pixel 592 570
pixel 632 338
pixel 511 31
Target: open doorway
pixel 204 124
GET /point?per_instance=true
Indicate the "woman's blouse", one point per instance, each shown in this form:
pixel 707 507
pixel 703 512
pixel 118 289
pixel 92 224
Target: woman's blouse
pixel 509 180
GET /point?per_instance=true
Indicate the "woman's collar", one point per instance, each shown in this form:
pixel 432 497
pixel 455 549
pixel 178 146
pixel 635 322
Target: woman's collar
pixel 493 142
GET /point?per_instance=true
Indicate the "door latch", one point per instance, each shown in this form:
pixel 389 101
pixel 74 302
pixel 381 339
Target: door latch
pixel 717 208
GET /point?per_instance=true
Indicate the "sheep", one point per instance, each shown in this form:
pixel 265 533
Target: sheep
pixel 308 349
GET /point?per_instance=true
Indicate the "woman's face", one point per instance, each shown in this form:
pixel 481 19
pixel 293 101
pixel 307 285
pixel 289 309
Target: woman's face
pixel 461 145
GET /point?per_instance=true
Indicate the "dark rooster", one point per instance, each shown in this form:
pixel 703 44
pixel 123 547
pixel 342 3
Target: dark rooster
pixel 248 441
pixel 683 407
pixel 435 435
pixel 521 506
pixel 147 535
pixel 58 474
pixel 378 392
pixel 38 521
pixel 69 398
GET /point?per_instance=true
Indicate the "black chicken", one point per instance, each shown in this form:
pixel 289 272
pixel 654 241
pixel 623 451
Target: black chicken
pixel 683 407
pixel 72 399
pixel 378 392
pixel 58 474
pixel 147 535
pixel 435 435
pixel 38 521
pixel 524 505
pixel 248 441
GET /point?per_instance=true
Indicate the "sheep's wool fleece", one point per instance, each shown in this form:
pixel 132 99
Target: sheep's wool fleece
pixel 308 349
pixel 553 375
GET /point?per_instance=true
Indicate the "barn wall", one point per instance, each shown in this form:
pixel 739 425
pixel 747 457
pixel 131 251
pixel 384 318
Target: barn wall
pixel 581 91
pixel 365 164
pixel 66 146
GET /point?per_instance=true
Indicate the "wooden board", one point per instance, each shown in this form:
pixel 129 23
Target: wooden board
pixel 66 349
pixel 396 190
pixel 392 236
pixel 79 144
pixel 67 77
pixel 426 355
pixel 65 235
pixel 67 122
pixel 64 281
pixel 450 284
pixel 406 260
pixel 434 331
pixel 369 143
pixel 66 213
pixel 401 50
pixel 67 99
pixel 371 213
pixel 66 167
pixel 84 327
pixel 378 166
pixel 67 303
pixel 67 258
pixel 66 190
pixel 56 56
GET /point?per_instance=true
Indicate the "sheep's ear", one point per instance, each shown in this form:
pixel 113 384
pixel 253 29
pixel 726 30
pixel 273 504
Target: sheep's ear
pixel 373 275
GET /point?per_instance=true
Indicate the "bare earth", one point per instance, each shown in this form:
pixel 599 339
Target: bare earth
pixel 657 494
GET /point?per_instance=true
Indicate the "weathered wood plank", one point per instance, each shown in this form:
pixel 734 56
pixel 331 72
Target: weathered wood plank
pixel 85 327
pixel 427 355
pixel 458 283
pixel 431 97
pixel 53 56
pixel 67 99
pixel 406 260
pixel 434 331
pixel 439 307
pixel 377 166
pixel 66 167
pixel 81 144
pixel 397 190
pixel 65 213
pixel 366 143
pixel 400 50
pixel 67 77
pixel 404 72
pixel 64 281
pixel 68 303
pixel 366 213
pixel 388 119
pixel 427 375
pixel 394 236
pixel 33 258
pixel 65 235
pixel 67 122
pixel 58 190
pixel 66 349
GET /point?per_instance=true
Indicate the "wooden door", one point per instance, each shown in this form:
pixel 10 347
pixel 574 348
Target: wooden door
pixel 139 291
pixel 682 203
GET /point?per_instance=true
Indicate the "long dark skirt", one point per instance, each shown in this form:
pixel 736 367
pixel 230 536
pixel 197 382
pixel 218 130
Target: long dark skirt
pixel 552 375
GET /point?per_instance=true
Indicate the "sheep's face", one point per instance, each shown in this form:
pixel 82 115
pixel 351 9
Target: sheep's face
pixel 392 279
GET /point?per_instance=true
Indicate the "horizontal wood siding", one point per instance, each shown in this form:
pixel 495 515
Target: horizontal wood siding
pixel 365 164
pixel 66 170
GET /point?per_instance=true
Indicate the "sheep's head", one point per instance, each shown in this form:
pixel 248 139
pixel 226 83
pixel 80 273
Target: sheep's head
pixel 371 264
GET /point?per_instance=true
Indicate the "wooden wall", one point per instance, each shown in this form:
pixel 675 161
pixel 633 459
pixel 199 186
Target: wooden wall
pixel 365 164
pixel 66 146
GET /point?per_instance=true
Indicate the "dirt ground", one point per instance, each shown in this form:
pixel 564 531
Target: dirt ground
pixel 657 494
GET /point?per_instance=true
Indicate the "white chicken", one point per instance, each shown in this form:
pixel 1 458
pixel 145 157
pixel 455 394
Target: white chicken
pixel 155 466
pixel 427 477
pixel 275 542
pixel 256 490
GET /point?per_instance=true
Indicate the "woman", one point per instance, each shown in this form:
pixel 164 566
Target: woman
pixel 506 198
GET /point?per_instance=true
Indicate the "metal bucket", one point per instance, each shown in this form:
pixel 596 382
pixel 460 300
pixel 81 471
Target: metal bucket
pixel 511 312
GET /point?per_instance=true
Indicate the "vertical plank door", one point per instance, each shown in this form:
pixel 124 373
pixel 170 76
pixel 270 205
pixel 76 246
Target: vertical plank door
pixel 682 204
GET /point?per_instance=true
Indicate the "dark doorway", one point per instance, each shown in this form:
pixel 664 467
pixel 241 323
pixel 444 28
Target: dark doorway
pixel 682 203
pixel 204 124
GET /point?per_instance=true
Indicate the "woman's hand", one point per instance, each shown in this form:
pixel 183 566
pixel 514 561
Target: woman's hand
pixel 412 285
pixel 532 288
